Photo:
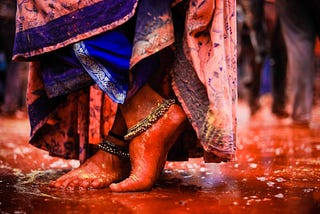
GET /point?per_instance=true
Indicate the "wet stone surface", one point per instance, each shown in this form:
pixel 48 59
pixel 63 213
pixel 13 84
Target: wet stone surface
pixel 277 170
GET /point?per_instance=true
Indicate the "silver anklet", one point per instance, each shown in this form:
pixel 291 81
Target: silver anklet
pixel 147 122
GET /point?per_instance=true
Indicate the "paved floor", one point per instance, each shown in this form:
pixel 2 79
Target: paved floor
pixel 277 170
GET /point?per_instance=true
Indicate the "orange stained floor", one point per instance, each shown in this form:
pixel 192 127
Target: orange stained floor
pixel 277 170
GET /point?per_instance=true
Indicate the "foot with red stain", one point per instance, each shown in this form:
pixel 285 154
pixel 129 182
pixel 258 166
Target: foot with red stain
pixel 148 151
pixel 99 171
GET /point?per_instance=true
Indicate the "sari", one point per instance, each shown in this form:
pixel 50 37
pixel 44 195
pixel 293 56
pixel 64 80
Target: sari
pixel 69 107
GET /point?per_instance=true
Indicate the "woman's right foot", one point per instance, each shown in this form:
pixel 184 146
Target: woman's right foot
pixel 148 151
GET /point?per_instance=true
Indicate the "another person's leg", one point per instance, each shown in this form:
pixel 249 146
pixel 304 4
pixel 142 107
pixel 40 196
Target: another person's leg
pixel 299 34
pixel 278 65
pixel 279 76
pixel 254 20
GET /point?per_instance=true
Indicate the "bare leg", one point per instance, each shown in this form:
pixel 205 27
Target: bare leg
pixel 148 151
pixel 100 170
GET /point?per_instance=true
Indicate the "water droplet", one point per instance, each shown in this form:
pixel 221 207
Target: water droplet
pixel 261 179
pixel 280 180
pixel 280 195
pixel 253 165
pixel 270 183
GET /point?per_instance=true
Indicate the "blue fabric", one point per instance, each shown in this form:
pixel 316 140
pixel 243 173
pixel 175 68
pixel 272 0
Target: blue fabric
pixel 106 58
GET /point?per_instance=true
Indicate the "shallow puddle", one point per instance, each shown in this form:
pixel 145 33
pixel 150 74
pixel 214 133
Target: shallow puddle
pixel 277 170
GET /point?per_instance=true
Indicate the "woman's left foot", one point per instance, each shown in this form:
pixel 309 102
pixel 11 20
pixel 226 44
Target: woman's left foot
pixel 99 171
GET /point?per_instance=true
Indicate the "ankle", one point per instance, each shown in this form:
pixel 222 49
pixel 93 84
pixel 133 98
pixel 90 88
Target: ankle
pixel 116 139
pixel 141 126
pixel 139 106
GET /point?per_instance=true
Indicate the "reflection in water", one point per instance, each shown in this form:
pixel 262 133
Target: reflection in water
pixel 277 170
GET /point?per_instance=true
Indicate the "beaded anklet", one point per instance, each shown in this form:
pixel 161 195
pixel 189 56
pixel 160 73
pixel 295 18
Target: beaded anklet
pixel 147 122
pixel 114 149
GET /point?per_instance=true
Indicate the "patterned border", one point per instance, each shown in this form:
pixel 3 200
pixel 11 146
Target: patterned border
pixel 73 27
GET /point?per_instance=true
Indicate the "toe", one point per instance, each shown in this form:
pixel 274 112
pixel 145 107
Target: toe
pixel 85 184
pixel 98 183
pixel 131 184
pixel 66 183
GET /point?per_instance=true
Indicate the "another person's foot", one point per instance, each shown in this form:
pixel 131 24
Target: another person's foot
pixel 300 123
pixel 99 171
pixel 148 151
pixel 280 112
pixel 254 108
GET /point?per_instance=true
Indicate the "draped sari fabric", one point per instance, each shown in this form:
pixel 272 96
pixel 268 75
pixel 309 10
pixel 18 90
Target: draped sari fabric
pixel 67 118
pixel 208 87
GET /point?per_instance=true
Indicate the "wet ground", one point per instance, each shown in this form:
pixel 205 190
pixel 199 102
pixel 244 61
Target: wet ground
pixel 277 170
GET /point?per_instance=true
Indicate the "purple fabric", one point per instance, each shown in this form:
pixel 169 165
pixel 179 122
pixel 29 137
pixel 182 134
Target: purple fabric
pixel 62 73
pixel 71 25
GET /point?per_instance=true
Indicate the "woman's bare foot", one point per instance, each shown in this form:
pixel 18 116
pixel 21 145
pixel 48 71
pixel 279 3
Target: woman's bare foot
pixel 99 171
pixel 148 151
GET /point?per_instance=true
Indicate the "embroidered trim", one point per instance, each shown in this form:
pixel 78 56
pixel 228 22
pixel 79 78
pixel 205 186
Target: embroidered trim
pixel 99 73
